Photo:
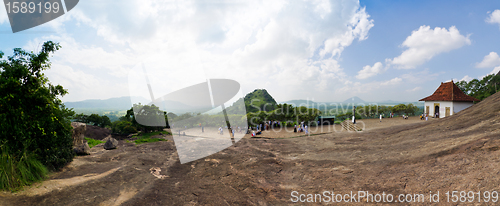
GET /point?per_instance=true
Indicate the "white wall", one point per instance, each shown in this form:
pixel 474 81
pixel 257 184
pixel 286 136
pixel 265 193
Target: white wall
pixel 442 108
pixel 459 106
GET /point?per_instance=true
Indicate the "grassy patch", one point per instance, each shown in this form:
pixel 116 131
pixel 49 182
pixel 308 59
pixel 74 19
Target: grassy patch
pixel 146 140
pixel 337 122
pixel 16 172
pixel 146 137
pixel 93 142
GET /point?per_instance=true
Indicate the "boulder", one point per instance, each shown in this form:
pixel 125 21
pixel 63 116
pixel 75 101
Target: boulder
pixel 111 143
pixel 82 149
pixel 78 133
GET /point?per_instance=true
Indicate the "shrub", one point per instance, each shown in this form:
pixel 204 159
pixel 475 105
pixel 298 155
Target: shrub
pixel 18 171
pixel 123 127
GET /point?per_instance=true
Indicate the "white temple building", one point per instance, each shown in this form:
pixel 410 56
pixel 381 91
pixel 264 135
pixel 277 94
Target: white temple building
pixel 447 100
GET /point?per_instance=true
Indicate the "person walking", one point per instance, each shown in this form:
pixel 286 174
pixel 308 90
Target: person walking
pixel 380 117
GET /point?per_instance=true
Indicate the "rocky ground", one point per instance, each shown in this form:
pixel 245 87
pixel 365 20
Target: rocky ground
pixel 403 157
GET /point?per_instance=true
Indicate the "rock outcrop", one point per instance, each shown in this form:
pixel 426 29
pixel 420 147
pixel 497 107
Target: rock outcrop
pixel 82 149
pixel 80 145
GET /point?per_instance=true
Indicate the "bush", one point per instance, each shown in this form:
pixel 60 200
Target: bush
pixel 123 127
pixel 33 120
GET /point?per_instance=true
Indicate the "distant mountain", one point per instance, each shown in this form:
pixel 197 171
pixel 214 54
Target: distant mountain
pixel 390 101
pixel 117 103
pixel 354 100
pixel 300 102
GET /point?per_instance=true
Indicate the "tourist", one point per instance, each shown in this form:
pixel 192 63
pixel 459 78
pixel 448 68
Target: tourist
pixel 380 117
pixel 306 132
pixel 295 128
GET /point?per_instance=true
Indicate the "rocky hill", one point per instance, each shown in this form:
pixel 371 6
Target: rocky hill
pixel 258 100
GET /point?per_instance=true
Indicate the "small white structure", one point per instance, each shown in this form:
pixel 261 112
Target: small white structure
pixel 447 100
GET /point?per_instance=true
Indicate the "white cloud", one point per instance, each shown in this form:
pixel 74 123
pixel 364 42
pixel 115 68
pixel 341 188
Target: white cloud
pixel 277 45
pixel 466 78
pixel 490 60
pixel 414 89
pixel 494 17
pixel 420 77
pixel 425 43
pixel 3 15
pixel 369 71
pixel 358 27
pixel 495 70
pixel 394 81
pixel 356 88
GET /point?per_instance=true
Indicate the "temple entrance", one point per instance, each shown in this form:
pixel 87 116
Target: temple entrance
pixel 436 111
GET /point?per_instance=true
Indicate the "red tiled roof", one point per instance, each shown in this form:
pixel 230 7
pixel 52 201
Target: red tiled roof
pixel 449 92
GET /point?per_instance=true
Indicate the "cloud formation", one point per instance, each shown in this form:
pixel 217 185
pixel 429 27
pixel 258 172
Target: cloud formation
pixel 425 43
pixel 414 89
pixel 490 60
pixel 494 17
pixel 277 45
pixel 467 78
pixel 3 15
pixel 369 71
pixel 394 81
pixel 495 70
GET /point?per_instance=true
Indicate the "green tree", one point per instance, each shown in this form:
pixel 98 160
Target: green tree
pixel 481 89
pixel 32 117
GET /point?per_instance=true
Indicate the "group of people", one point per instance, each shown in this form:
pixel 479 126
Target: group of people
pixel 302 128
pixel 272 124
pixel 231 130
pixel 268 125
pixel 424 116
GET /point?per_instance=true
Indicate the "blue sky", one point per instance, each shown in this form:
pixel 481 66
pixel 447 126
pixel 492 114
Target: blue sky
pixel 318 50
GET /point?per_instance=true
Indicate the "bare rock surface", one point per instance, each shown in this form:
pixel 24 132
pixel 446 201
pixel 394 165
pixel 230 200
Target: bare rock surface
pixel 456 153
pixel 78 132
pixel 82 149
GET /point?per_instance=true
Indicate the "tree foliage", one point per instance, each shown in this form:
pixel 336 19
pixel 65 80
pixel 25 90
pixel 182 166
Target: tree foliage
pixel 284 113
pixel 480 89
pixel 94 119
pixel 32 117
